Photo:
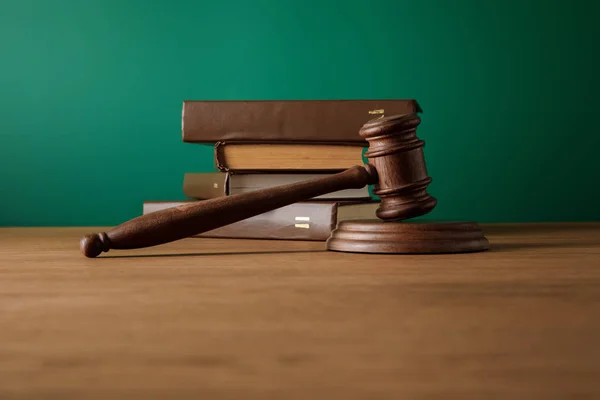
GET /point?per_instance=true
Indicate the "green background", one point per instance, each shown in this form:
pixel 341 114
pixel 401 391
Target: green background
pixel 91 95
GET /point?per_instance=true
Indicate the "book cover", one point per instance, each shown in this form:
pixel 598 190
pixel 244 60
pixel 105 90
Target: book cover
pixel 311 221
pixel 210 121
pixel 208 185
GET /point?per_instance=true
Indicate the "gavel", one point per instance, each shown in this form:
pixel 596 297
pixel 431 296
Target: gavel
pixel 396 169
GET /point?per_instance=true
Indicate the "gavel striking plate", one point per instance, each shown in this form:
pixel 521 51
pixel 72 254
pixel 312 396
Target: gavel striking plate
pixel 396 169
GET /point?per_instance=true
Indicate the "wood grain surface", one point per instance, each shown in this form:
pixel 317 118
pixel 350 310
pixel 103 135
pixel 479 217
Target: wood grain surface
pixel 249 319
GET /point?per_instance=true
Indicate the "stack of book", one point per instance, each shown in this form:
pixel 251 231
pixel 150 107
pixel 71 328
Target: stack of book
pixel 261 144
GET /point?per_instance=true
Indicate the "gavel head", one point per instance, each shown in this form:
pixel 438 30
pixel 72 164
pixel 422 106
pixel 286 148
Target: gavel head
pixel 397 155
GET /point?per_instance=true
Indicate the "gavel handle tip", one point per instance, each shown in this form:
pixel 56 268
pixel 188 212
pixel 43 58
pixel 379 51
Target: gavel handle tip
pixel 93 245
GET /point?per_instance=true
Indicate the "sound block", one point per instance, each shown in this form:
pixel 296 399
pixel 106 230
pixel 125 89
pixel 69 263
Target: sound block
pixel 377 236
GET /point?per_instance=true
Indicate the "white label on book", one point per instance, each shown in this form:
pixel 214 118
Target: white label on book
pixel 302 218
pixel 304 226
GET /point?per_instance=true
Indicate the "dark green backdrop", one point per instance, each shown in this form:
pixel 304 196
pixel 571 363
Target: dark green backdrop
pixel 91 94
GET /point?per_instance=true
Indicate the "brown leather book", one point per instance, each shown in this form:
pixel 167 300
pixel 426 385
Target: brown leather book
pixel 208 185
pixel 265 157
pixel 299 221
pixel 210 121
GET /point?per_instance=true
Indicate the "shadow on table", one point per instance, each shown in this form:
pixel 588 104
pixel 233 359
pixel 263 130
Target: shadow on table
pixel 204 254
pixel 541 236
pixel 506 247
pixel 539 228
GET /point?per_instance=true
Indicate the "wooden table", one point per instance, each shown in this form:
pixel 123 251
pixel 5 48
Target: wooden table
pixel 243 319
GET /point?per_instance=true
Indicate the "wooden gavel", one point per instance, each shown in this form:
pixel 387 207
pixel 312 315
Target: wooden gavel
pixel 396 169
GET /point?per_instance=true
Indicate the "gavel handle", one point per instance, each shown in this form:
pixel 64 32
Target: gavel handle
pixel 190 219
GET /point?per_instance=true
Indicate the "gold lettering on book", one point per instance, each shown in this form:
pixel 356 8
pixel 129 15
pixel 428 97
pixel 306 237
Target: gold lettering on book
pixel 304 226
pixel 380 111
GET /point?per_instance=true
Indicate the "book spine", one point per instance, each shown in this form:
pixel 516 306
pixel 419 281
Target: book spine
pixel 205 185
pixel 328 121
pixel 219 157
pixel 298 221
